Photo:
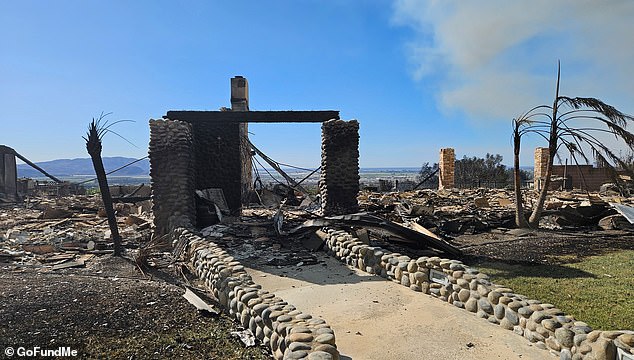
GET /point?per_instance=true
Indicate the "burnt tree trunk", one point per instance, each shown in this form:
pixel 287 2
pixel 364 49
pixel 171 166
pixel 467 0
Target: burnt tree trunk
pixel 93 145
pixel 520 219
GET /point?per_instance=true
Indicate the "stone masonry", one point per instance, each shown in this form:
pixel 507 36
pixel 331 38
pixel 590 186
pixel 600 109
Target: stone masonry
pixel 447 165
pixel 217 154
pixel 541 166
pixel 172 171
pixel 291 333
pixel 451 281
pixel 339 182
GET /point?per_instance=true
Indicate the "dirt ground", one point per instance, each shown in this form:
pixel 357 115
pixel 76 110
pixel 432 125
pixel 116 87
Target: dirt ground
pixel 110 310
pixel 543 246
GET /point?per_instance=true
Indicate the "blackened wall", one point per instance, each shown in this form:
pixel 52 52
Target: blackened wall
pixel 339 182
pixel 216 155
pixel 171 155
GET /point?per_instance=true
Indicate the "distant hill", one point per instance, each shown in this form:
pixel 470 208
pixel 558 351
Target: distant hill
pixel 83 166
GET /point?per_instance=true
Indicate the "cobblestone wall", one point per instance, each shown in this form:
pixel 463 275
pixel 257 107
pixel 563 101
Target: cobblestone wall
pixel 452 281
pixel 172 172
pixel 290 333
pixel 339 182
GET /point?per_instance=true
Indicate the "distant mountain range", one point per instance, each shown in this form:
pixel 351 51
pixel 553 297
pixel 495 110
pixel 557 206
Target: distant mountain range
pixel 83 166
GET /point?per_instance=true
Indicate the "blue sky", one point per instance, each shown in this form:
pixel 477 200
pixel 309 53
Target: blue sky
pixel 418 75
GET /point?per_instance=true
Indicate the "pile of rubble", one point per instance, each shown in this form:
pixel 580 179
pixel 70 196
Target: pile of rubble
pixel 61 232
pixel 453 212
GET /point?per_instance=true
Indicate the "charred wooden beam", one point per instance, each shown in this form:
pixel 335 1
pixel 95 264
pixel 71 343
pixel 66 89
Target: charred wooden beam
pixel 255 116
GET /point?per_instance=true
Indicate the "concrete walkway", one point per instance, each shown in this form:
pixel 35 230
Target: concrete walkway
pixel 377 319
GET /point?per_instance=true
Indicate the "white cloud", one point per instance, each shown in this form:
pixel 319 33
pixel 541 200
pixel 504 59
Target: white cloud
pixel 497 58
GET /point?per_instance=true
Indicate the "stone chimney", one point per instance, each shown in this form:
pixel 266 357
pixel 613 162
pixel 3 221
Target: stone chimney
pixel 239 94
pixel 447 165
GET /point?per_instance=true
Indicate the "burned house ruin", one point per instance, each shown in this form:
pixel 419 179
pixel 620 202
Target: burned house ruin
pixel 197 150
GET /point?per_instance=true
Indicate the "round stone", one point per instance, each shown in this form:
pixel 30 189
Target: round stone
pixel 295 355
pixel 329 349
pixel 464 295
pixel 456 267
pixel 512 317
pixel 485 305
pixel 324 330
pixel 551 324
pixel 514 305
pixel 482 290
pixel 420 276
pixel 542 331
pixel 248 296
pixel 552 343
pixel 405 279
pixel 471 305
pixel 538 316
pixel 463 283
pixel 319 355
pixel 505 300
pixel 565 337
pixel 300 329
pixel 565 354
pixel 326 339
pixel 412 267
pixel 301 337
pixel 499 310
pixel 296 346
pixel 494 297
pixel 579 338
pixel 506 324
pixel 525 311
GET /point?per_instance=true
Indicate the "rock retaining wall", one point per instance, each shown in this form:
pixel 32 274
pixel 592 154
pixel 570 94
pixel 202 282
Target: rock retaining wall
pixel 172 173
pixel 290 333
pixel 464 287
pixel 339 181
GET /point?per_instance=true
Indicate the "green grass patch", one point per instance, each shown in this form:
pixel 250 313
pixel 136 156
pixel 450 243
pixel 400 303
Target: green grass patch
pixel 598 290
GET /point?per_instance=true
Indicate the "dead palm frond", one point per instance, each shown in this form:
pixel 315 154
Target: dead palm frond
pixel 559 126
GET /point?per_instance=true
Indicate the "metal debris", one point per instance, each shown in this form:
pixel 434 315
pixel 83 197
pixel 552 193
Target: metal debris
pixel 199 303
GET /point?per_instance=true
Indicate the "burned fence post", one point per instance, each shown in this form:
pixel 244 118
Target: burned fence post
pixel 447 165
pixel 172 171
pixel 339 182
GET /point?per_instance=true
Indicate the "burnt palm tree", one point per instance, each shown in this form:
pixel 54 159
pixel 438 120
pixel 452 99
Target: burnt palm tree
pixel 96 130
pixel 574 124
pixel 518 131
